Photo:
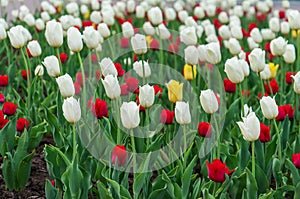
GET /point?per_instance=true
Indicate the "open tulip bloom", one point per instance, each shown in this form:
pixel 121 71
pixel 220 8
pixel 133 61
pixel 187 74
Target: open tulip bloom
pixel 150 99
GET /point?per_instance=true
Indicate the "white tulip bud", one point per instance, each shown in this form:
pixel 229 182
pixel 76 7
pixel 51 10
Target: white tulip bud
pixel 289 55
pixel 52 65
pixel 138 68
pixel 111 86
pixel 66 86
pixel 209 101
pixel 269 107
pixel 130 117
pixel 146 96
pixel 278 46
pixel 71 110
pixel 257 60
pixel 138 43
pixel 182 113
pixel 34 48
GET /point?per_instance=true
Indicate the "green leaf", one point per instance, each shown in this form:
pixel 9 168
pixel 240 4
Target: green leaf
pixel 251 185
pixel 50 191
pixel 23 170
pixel 261 177
pixel 285 132
pixel 103 191
pixel 206 194
pixel 277 173
pixel 119 189
pixel 244 154
pixel 186 178
pixel 297 191
pixel 139 181
pixel 158 193
pixel 8 172
pixel 294 171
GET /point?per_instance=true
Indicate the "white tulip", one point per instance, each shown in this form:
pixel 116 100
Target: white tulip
pixel 52 65
pixel 66 86
pixel 91 37
pixel 111 86
pixel 107 67
pixel 223 17
pixel 146 96
pixel 170 14
pixel 182 15
pixel 257 59
pixel 199 12
pixel 103 30
pixel 266 73
pixel 202 53
pixel 54 33
pixel 39 70
pixel 234 46
pixel 29 19
pixel 130 6
pixel 148 28
pixel 269 107
pixel 210 30
pixel 296 82
pixel 274 24
pixel 138 43
pixel 245 66
pixel 45 16
pixel 71 110
pixel 256 35
pixel 3 34
pixel 236 32
pixel 293 19
pixel 140 12
pixel 188 36
pixel 67 21
pixel 191 55
pixel 234 71
pixel 289 55
pixel 138 68
pixel 189 21
pixel 251 43
pixel 182 113
pixel 155 15
pixel 213 53
pixel 34 48
pixel 163 32
pixel 127 29
pixel 130 116
pixel 96 17
pixel 250 127
pixel 209 101
pixel 210 10
pixel 224 32
pixel 39 24
pixel 278 46
pixel 17 40
pixel 285 27
pixel 75 43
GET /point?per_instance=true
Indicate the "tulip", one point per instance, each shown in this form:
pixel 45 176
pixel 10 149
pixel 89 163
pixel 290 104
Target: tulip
pixel 155 15
pixel 267 34
pixel 278 46
pixel 111 86
pixel 217 170
pixel 229 86
pixel 119 154
pixel 140 12
pixel 202 53
pixel 138 68
pixel 213 53
pixel 189 72
pixel 9 108
pixel 170 14
pixel 182 15
pixel 209 101
pixel 224 32
pixel 166 116
pixel 210 30
pixel 174 91
pixel 191 55
pixel 266 73
pixel 74 39
pixel 91 37
pixel 296 82
pixel 257 60
pixel 273 69
pixel 285 28
pixel 269 107
pixel 223 17
pixel 274 24
pixel 250 127
pixel 130 6
pixel 103 30
pixel 3 80
pixel 148 28
pixel 199 12
pixel 54 33
pixel 236 32
pixel 130 117
pixel 96 17
pixel 66 86
pixel 274 86
pixel 146 96
pixel 265 135
pixel 182 113
pixel 132 84
pixel 39 70
pixel 17 39
pixel 256 35
pixel 234 46
pixel 138 43
pixel 3 34
pixel 188 36
pixel 21 124
pixel 100 108
pixel 204 129
pixel 108 67
pixel 127 30
pixel 3 121
pixel 234 70
pixel 251 43
pixel 39 24
pixel 163 32
pixel 296 160
pixel 71 110
pixel 289 55
pixel 34 48
pixel 52 65
pixel 293 19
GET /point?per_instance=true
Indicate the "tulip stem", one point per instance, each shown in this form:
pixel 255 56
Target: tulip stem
pixel 147 127
pixel 262 85
pixel 218 137
pixel 253 158
pixel 278 139
pixel 7 51
pixel 28 81
pixel 59 61
pixel 74 143
pixel 184 146
pixel 132 141
pixel 83 83
pixel 143 66
pixel 242 98
pixel 90 63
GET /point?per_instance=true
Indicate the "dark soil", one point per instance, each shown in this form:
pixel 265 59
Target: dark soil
pixel 35 187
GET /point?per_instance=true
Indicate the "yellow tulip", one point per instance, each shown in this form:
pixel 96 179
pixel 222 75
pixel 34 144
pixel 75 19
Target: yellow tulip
pixel 294 33
pixel 189 72
pixel 87 15
pixel 148 40
pixel 175 91
pixel 59 8
pixel 273 69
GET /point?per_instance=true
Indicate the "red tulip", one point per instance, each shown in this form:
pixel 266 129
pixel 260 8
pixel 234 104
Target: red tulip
pixel 138 103
pixel 63 57
pixel 77 88
pixel 21 124
pixel 288 77
pixel 3 80
pixel 87 23
pixel 28 52
pixel 98 75
pixel 119 154
pixel 229 86
pixel 274 86
pixel 296 160
pixel 124 90
pixel 154 45
pixel 100 108
pixel 24 74
pixel 94 58
pixel 217 170
pixel 9 108
pixel 204 129
pixel 120 70
pixel 124 42
pixel 265 135
pixel 3 121
pixel 268 47
pixel 283 111
pixel 79 78
pixel 157 89
pixel 281 14
pixel 166 116
pixel 2 98
pixel 132 83
pixel 289 110
pixel 252 26
pixel 173 48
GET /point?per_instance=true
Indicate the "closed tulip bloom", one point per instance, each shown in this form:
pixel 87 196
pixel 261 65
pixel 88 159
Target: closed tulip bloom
pixel 39 24
pixel 257 60
pixel 191 55
pixel 182 113
pixel 91 37
pixel 111 86
pixel 199 12
pixel 138 68
pixel 66 86
pixel 213 53
pixel 285 27
pixel 17 39
pixel 74 39
pixel 251 43
pixel 189 72
pixel 119 154
pixel 107 67
pixel 256 35
pixel 96 17
pixel 155 15
pixel 54 33
pixel 103 30
pixel 289 55
pixel 209 101
pixel 269 107
pixel 174 91
pixel 224 32
pixel 29 19
pixel 293 19
pixel 146 96
pixel 266 73
pixel 52 65
pixel 234 46
pixel 148 28
pixel 130 117
pixel 223 17
pixel 236 32
pixel 170 14
pixel 140 12
pixel 234 71
pixel 9 108
pixel 217 170
pixel 273 68
pixel 3 34
pixel 130 6
pixel 34 48
pixel 188 36
pixel 71 110
pixel 127 30
pixel 274 24
pixel 202 53
pixel 250 127
pixel 163 32
pixel 138 43
pixel 39 70
pixel 296 82
pixel 267 34
pixel 278 46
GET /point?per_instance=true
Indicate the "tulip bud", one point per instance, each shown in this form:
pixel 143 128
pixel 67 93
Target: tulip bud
pixel 266 73
pixel 267 34
pixel 223 17
pixel 257 60
pixel 210 10
pixel 21 124
pixel 108 67
pixel 251 43
pixel 209 101
pixel 163 32
pixel 217 170
pixel 140 12
pixel 71 110
pixel 146 96
pixel 256 35
pixel 224 32
pixel 17 39
pixel 199 12
pixel 234 70
pixel 174 91
pixel 155 15
pixel 269 107
pixel 138 43
pixel 66 86
pixel 250 127
pixel 202 53
pixel 127 30
pixel 39 24
pixel 52 65
pixel 274 24
pixel 39 70
pixel 119 154
pixel 103 30
pixel 111 86
pixel 182 15
pixel 285 28
pixel 34 48
pixel 182 113
pixel 91 37
pixel 213 53
pixel 236 32
pixel 148 28
pixel 138 68
pixel 278 46
pixel 293 19
pixel 191 55
pixel 189 72
pixel 204 129
pixel 54 33
pixel 2 32
pixel 130 115
pixel 296 82
pixel 188 36
pixel 234 46
pixel 289 55
pixel 130 6
pixel 170 14
pixel 74 39
pixel 166 116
